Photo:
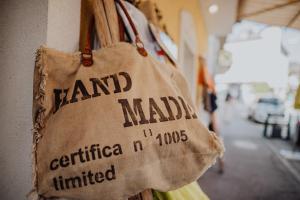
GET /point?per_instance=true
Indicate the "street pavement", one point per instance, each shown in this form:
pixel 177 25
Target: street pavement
pixel 254 170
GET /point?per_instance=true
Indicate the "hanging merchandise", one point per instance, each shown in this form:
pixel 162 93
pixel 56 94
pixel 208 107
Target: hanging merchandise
pixel 142 26
pixel 191 191
pixel 208 87
pixel 297 99
pixel 149 34
pixel 111 123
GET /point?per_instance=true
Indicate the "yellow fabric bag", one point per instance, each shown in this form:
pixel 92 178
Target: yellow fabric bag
pixel 297 99
pixel 191 191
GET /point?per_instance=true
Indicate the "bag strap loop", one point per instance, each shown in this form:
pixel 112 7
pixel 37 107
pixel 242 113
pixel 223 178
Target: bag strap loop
pixel 86 54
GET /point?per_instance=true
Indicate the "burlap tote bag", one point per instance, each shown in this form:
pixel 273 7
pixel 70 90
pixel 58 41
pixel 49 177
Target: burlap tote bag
pixel 113 122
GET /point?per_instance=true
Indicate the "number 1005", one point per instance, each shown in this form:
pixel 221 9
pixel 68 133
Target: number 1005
pixel 173 137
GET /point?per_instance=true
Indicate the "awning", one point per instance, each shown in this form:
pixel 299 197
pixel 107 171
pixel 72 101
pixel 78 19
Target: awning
pixel 273 12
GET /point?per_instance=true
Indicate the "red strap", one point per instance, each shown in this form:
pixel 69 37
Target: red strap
pixel 121 28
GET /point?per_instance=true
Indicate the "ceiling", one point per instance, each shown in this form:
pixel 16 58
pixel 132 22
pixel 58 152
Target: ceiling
pixel 273 12
pixel 219 23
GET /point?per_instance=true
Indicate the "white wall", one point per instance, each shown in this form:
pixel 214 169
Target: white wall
pixel 22 29
pixel 63 24
pixel 24 26
pixel 214 46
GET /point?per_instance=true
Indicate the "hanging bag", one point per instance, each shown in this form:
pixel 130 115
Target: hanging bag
pixel 113 122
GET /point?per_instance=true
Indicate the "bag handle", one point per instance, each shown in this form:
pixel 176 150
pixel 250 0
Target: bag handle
pixel 87 55
pixel 138 42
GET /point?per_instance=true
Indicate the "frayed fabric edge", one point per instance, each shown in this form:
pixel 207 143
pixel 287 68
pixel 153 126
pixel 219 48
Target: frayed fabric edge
pixel 216 143
pixel 38 117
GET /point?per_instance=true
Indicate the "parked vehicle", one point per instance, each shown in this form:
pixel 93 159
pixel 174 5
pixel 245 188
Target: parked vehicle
pixel 268 106
pixel 277 126
pixel 295 127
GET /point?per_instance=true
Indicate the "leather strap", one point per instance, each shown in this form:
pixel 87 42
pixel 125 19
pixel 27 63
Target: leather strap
pixel 121 28
pixel 139 44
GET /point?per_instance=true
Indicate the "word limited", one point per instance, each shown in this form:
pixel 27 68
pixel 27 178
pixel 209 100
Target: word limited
pixel 85 178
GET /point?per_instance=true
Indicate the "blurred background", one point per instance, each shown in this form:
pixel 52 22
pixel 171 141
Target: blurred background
pixel 253 57
pixel 246 53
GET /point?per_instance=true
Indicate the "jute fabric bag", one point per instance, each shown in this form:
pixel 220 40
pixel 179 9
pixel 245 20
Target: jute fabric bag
pixel 113 122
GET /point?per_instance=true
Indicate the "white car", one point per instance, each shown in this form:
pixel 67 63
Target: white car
pixel 268 106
